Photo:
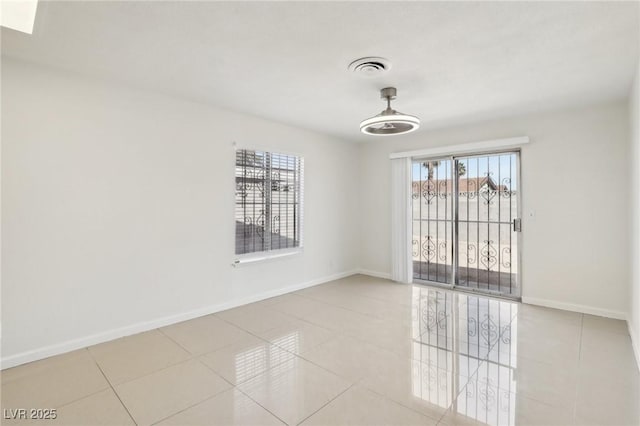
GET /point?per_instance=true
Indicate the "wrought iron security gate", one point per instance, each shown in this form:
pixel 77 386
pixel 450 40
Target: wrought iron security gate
pixel 432 242
pixel 466 222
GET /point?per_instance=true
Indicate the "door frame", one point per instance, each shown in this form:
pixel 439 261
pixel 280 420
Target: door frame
pixel 454 228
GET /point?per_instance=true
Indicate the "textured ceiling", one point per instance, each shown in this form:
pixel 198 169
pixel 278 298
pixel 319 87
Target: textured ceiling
pixel 453 62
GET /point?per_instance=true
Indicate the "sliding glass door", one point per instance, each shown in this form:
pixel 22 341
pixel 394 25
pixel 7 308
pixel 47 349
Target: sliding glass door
pixel 466 222
pixel 432 212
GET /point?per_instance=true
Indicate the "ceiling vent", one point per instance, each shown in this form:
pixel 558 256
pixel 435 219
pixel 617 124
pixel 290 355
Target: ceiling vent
pixel 370 66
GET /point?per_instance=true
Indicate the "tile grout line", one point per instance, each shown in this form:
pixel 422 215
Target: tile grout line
pixel 193 405
pixel 328 402
pixel 260 405
pixel 326 369
pixel 300 357
pixel 299 353
pixel 293 317
pixel 198 356
pixel 485 359
pixel 111 386
pixel 529 397
pixel 244 381
pixel 305 320
pixel 174 341
pixel 78 399
pixel 401 404
pixel 200 401
pixel 294 354
pixel 352 310
pixel 366 316
pixel 468 378
pixel 82 397
pixel 124 382
pixel 244 329
pixel 274 366
pixel 236 387
pixel 173 364
pixel 575 392
pixel 338 332
pixel 232 324
pixel 315 299
pixel 581 332
pixel 191 358
pixel 332 304
pixel 155 371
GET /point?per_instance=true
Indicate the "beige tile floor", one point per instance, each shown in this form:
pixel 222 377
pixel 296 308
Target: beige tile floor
pixel 357 351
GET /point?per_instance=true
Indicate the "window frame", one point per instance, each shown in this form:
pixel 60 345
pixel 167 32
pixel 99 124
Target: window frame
pixel 270 254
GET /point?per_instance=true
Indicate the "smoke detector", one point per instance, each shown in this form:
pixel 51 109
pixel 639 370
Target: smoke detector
pixel 370 66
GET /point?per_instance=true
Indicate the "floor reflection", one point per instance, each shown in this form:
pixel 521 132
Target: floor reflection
pixel 262 357
pixel 467 362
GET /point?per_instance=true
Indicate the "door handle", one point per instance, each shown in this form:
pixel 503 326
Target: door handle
pixel 517 225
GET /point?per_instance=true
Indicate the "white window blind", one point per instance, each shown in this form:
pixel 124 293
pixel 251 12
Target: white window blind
pixel 268 212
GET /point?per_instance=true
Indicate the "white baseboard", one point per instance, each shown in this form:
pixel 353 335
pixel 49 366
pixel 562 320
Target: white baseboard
pixel 376 274
pixel 634 342
pixel 583 309
pixel 83 342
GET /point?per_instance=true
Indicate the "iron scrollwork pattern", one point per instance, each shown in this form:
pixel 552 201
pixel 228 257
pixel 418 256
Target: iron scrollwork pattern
pixel 268 198
pixel 487 205
pixel 474 334
pixel 432 216
pixel 469 211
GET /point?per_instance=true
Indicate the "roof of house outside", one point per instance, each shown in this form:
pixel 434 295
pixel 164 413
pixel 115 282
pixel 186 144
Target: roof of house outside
pixel 464 185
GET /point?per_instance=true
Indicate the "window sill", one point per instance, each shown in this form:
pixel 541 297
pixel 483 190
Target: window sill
pixel 246 259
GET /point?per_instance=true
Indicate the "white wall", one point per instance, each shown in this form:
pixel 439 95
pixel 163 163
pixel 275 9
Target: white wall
pixel 118 210
pixel 634 195
pixel 574 176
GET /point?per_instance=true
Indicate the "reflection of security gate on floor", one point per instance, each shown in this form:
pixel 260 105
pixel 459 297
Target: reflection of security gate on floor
pixel 466 221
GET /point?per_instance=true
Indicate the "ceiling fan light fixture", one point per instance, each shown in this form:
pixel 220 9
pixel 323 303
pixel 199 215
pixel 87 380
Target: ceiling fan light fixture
pixel 389 122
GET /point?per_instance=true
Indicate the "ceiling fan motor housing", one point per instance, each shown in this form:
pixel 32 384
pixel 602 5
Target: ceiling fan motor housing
pixel 389 122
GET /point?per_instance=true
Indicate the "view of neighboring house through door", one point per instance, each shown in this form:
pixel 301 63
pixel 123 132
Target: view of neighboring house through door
pixel 466 222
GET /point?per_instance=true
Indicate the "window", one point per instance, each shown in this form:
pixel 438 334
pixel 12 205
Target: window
pixel 268 201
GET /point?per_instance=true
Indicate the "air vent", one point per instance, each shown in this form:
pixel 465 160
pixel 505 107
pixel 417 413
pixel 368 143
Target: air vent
pixel 370 66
